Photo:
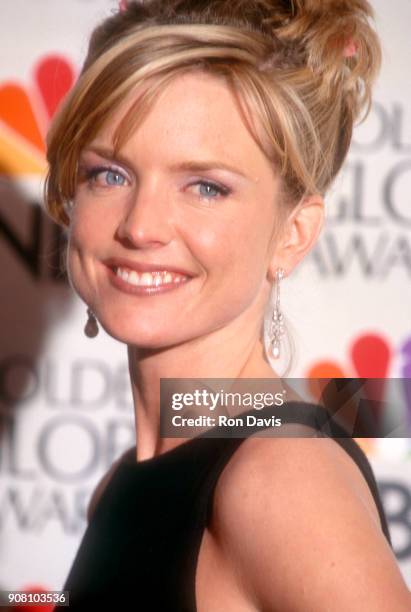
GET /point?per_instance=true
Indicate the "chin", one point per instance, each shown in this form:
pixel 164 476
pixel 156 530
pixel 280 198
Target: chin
pixel 141 338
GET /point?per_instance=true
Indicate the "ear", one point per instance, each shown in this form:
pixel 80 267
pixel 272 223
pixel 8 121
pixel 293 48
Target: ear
pixel 299 234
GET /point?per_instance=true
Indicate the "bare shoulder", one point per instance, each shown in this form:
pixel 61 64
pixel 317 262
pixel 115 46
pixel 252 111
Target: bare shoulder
pixel 296 518
pixel 101 486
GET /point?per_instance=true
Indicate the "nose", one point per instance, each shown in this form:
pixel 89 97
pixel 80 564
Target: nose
pixel 146 220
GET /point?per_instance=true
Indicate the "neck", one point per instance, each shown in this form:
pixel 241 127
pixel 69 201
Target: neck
pixel 225 353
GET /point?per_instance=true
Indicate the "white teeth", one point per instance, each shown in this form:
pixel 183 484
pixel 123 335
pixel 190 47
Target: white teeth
pixel 148 279
pixel 133 278
pixel 122 273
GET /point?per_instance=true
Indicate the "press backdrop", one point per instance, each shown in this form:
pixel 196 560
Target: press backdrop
pixel 66 409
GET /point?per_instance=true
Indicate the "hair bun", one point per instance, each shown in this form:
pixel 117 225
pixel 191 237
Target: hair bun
pixel 337 41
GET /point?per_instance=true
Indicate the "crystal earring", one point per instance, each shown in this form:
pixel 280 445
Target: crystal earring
pixel 91 327
pixel 68 207
pixel 276 329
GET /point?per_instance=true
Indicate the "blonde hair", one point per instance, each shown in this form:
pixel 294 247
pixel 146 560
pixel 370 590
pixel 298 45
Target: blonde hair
pixel 284 60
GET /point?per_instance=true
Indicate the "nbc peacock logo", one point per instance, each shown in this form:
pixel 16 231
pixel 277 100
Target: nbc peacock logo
pixel 372 356
pixel 25 113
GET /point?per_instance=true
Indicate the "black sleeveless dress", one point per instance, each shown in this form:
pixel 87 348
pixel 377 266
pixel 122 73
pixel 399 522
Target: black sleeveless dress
pixel 140 549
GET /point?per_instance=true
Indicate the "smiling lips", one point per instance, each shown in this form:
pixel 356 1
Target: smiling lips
pixel 150 279
pixel 144 278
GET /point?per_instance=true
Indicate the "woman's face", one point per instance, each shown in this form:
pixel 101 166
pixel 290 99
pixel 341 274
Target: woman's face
pixel 191 191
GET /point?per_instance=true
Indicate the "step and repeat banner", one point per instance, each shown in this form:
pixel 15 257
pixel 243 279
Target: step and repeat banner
pixel 66 411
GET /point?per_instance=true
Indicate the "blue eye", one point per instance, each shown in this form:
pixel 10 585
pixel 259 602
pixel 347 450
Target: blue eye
pixel 210 190
pixel 114 178
pixel 103 176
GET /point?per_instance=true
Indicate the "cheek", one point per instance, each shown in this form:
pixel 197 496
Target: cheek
pixel 85 241
pixel 76 268
pixel 92 229
pixel 90 225
pixel 233 253
pixel 244 244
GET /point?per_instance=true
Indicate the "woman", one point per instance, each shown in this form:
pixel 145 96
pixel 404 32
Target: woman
pixel 189 164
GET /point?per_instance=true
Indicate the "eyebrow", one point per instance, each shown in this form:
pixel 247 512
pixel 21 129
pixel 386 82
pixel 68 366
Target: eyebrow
pixel 191 166
pixel 202 166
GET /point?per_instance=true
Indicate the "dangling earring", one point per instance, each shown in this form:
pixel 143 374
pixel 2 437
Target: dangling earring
pixel 276 329
pixel 68 207
pixel 91 327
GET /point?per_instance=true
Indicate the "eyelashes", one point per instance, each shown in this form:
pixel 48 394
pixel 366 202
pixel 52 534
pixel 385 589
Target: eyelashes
pixel 219 190
pixel 114 178
pixel 107 177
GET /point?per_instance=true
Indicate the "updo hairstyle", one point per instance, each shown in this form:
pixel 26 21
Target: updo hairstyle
pixel 301 71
